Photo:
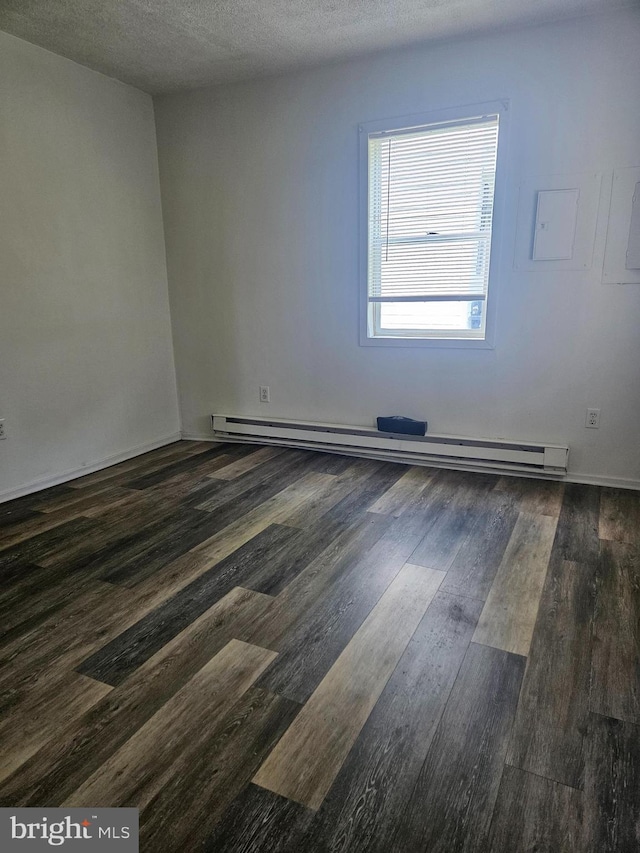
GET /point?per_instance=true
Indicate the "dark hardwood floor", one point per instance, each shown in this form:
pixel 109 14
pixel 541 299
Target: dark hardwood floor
pixel 280 650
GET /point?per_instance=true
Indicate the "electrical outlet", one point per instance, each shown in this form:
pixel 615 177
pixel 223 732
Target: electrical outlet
pixel 3 432
pixel 265 395
pixel 593 419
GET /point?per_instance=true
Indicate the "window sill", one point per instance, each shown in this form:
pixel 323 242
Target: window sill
pixel 429 343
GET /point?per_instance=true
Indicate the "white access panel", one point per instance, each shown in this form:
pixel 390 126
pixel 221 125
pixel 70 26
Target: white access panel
pixel 569 203
pixel 555 228
pixel 633 245
pixel 622 250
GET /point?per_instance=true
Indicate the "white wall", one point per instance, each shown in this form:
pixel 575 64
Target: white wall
pixel 259 184
pixel 86 361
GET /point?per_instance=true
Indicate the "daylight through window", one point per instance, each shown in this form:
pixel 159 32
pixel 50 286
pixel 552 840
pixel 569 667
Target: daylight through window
pixel 430 209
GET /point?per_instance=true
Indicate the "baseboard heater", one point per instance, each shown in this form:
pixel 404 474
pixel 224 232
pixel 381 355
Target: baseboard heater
pixel 443 450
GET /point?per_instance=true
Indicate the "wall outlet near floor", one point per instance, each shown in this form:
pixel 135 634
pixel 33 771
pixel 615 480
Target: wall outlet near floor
pixel 265 394
pixel 3 432
pixel 593 419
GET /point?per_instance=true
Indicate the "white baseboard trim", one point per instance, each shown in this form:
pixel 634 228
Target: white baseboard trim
pixel 597 480
pixel 206 436
pixel 65 476
pixel 585 479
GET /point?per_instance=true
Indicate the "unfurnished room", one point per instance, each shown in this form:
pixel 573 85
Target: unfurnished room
pixel 320 426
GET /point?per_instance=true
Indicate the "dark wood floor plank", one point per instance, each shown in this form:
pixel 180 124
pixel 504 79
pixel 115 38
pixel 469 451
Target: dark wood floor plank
pixel 156 545
pixel 65 762
pixel 612 786
pixel 258 479
pixel 36 549
pixel 39 523
pixel 474 568
pixel 373 479
pixel 315 513
pixel 577 534
pixel 143 463
pixel 194 463
pixel 452 520
pixel 536 815
pixel 620 515
pixel 542 497
pixel 113 610
pixel 332 463
pixel 359 488
pixel 17 575
pixel 322 632
pixel 247 462
pixel 159 539
pixel 94 504
pixel 63 637
pixel 27 524
pixel 615 677
pixel 13 513
pixel 315 640
pixel 94 555
pixel 259 821
pixel 32 603
pixel 195 484
pixel 274 575
pixel 268 576
pixel 128 499
pixel 451 806
pixel 86 624
pixel 103 494
pixel 307 759
pixel 299 494
pixel 310 584
pixel 21 735
pixel 229 511
pixel 127 523
pixel 119 658
pixel 403 492
pixel 176 733
pixel 186 809
pixel 13 510
pixel 339 515
pixel 365 802
pixel 116 552
pixel 190 469
pixel 36 667
pixel 554 700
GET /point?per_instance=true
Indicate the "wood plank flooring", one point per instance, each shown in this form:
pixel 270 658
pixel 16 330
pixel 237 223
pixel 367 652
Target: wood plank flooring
pixel 269 650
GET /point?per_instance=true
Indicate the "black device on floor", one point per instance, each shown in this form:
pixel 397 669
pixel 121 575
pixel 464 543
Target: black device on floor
pixel 398 423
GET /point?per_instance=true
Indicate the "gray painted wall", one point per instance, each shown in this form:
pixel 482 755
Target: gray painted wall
pixel 86 360
pixel 260 200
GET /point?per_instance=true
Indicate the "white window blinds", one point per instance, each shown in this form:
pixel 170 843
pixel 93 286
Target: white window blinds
pixel 430 210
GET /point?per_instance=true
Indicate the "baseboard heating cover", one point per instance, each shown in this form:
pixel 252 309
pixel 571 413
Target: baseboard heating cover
pixel 431 449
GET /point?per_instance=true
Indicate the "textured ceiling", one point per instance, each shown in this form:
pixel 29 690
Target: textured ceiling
pixel 167 45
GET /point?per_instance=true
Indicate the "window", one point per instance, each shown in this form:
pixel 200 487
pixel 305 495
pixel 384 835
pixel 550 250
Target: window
pixel 429 215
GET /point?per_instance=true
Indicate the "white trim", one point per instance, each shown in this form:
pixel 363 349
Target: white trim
pixel 73 474
pixel 599 480
pixel 204 436
pixel 501 107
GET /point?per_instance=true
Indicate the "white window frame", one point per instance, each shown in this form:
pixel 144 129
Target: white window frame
pixel 499 107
